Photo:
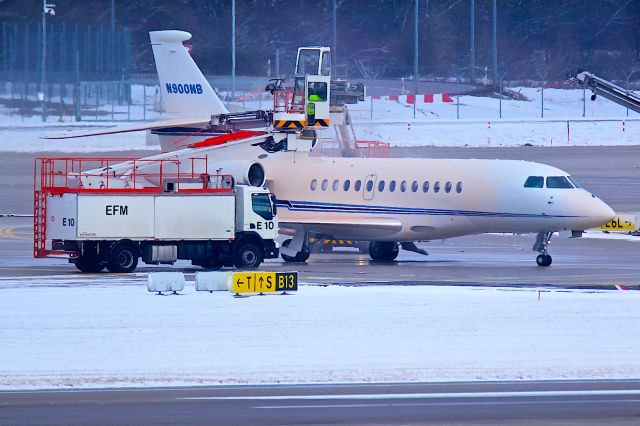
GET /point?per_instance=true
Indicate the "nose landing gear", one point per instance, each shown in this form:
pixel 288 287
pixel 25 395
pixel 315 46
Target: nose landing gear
pixel 542 241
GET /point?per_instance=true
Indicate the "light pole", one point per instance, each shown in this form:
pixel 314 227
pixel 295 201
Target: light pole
pixel 627 76
pixel 543 79
pixel 334 49
pixel 233 50
pixel 472 42
pixel 47 8
pixel 415 59
pixel 495 43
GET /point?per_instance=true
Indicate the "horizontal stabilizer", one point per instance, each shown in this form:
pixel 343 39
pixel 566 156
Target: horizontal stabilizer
pixel 177 122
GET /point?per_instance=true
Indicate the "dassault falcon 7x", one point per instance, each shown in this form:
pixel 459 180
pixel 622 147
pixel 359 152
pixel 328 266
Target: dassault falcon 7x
pixel 391 202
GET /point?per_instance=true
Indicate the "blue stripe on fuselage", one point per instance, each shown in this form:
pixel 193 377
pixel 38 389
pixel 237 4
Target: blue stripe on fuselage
pixel 312 206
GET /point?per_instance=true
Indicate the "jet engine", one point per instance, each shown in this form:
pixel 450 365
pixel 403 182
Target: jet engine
pixel 244 172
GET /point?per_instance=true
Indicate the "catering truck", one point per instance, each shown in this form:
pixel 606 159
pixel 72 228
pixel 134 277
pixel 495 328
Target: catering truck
pixel 100 214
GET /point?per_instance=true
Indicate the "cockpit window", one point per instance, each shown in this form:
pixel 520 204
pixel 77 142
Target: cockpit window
pixel 558 182
pixel 534 182
pixel 573 181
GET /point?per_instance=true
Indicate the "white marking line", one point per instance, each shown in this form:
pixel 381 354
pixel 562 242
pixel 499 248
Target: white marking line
pixel 442 404
pixel 437 395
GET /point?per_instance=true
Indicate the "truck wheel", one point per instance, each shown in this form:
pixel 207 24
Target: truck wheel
pixel 301 257
pixel 124 258
pixel 89 263
pixel 248 256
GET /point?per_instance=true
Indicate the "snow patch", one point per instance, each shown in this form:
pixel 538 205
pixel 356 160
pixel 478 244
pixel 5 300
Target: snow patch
pixel 113 333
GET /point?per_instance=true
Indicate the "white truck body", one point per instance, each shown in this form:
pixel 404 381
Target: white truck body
pixel 141 217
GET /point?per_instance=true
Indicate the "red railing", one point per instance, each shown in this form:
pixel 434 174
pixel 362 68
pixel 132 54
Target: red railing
pixel 372 149
pixel 126 175
pixel 282 100
pixel 364 149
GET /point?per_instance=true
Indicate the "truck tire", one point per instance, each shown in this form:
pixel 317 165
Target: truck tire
pixel 89 263
pixel 124 258
pixel 248 256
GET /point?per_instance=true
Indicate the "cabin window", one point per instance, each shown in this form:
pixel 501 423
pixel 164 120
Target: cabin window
pixel 325 185
pixel 459 187
pixel 558 182
pixel 403 186
pixel 414 186
pixel 336 185
pixel 447 187
pixel 326 64
pixel 381 186
pixel 346 185
pixel 534 182
pixel 369 185
pixel 314 184
pixel 308 61
pixel 392 186
pixel 357 185
pixel 436 186
pixel 425 186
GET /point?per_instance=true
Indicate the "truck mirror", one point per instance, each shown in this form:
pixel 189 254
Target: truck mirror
pixel 274 207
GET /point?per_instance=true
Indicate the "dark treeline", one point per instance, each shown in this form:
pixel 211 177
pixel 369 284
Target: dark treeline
pixel 375 37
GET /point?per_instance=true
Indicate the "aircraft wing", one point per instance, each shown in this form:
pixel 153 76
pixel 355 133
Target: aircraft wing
pixel 175 122
pixel 345 226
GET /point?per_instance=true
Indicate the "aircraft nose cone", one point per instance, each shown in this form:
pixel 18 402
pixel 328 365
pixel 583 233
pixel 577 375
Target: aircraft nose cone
pixel 600 213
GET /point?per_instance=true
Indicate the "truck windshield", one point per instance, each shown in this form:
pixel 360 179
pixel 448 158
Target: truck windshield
pixel 262 206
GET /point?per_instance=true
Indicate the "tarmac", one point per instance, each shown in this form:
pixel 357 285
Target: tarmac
pixel 478 403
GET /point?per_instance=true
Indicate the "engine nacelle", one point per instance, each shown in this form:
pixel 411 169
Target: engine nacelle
pixel 244 172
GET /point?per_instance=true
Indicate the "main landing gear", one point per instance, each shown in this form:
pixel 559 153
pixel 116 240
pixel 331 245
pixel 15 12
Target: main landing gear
pixel 300 257
pixel 383 251
pixel 542 241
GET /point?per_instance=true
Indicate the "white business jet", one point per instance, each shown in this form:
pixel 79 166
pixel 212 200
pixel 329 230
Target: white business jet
pixel 390 202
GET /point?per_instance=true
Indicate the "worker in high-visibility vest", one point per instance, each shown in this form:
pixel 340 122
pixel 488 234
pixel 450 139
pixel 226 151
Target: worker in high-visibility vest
pixel 313 95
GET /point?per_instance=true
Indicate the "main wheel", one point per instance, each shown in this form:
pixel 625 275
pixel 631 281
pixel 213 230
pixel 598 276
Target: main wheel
pixel 89 263
pixel 124 258
pixel 301 257
pixel 248 256
pixel 543 260
pixel 383 251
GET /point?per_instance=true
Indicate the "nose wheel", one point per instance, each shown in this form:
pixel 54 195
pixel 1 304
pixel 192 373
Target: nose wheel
pixel 543 260
pixel 541 244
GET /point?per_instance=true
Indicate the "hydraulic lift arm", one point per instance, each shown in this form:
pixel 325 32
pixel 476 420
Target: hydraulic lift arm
pixel 613 92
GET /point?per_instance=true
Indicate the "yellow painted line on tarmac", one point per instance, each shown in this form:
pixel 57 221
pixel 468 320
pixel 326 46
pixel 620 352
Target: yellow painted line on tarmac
pixel 8 232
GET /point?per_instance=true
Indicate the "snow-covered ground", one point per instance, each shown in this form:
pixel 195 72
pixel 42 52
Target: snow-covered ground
pixel 110 332
pixel 605 123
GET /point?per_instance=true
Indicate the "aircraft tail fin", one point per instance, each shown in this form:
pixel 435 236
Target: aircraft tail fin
pixel 185 90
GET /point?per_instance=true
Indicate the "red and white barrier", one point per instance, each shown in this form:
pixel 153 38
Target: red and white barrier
pixel 420 99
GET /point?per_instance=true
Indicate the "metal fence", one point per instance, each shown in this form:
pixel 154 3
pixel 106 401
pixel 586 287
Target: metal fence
pixel 119 100
pixel 72 52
